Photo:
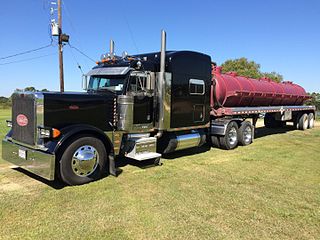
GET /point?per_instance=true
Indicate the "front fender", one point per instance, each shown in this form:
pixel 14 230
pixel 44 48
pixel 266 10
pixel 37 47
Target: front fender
pixel 71 131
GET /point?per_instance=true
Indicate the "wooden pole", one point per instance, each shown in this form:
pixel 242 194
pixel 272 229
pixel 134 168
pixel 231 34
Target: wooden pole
pixel 60 48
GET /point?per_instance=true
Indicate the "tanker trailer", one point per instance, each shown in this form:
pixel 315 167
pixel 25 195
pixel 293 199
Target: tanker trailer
pixel 236 98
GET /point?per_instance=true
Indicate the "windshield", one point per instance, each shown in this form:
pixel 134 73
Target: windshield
pixel 111 83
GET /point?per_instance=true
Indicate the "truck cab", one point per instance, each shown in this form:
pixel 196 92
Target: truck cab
pixel 137 107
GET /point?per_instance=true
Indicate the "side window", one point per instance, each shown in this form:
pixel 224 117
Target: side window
pixel 196 87
pixel 138 82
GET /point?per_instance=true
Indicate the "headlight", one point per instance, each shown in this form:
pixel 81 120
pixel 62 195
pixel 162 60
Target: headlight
pixel 48 133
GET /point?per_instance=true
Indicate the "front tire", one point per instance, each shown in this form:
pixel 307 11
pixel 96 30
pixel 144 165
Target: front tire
pixel 83 161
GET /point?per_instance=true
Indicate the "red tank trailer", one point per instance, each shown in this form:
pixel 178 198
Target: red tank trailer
pixel 232 90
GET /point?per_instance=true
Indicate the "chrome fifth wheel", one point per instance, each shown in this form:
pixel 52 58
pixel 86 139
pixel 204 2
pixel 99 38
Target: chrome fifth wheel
pixel 230 139
pixel 245 133
pixel 83 161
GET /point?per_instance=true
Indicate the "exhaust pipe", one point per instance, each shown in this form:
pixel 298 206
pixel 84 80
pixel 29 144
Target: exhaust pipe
pixel 163 51
pixel 111 48
pixel 160 85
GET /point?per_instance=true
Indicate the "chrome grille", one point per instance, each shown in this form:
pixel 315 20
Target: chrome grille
pixel 24 118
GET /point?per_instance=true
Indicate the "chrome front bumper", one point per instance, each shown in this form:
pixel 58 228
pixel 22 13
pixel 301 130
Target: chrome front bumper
pixel 35 161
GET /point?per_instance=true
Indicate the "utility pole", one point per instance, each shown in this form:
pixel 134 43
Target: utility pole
pixel 60 47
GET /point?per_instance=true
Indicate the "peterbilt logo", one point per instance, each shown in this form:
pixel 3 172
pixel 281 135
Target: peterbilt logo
pixel 22 120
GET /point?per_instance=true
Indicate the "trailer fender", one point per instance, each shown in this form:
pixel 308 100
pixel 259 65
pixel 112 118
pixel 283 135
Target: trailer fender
pixel 219 126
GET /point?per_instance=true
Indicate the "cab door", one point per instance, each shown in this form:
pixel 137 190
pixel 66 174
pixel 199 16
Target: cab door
pixel 141 88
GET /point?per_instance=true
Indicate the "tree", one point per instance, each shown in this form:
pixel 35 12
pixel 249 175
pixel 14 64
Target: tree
pixel 273 76
pixel 247 68
pixel 243 67
pixel 30 89
pixel 315 100
pixel 5 102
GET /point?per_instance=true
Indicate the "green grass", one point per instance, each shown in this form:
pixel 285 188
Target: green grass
pixel 268 190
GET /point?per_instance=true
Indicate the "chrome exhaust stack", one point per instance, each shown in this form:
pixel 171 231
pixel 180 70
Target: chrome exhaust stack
pixel 161 81
pixel 111 48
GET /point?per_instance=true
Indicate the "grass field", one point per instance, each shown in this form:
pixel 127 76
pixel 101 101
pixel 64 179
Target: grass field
pixel 268 190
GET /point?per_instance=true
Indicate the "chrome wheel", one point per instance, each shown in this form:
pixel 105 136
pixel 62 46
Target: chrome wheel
pixel 247 134
pixel 305 123
pixel 85 161
pixel 311 120
pixel 232 135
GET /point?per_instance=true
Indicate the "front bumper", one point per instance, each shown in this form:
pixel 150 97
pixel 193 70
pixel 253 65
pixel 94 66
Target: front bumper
pixel 35 161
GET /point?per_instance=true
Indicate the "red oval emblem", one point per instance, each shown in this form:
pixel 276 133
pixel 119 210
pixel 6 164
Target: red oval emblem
pixel 73 107
pixel 22 120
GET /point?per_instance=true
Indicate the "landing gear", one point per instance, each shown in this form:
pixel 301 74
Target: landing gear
pixel 270 122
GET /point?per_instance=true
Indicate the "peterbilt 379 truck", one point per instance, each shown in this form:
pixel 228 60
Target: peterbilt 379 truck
pixel 141 107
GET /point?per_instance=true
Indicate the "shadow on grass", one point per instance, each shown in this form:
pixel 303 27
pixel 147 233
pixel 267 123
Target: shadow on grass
pixel 54 184
pixel 263 131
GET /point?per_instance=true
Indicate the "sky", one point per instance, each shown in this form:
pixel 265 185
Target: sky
pixel 280 35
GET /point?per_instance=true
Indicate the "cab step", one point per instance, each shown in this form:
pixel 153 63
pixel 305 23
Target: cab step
pixel 142 148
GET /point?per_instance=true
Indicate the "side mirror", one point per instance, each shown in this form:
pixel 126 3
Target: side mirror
pixel 84 82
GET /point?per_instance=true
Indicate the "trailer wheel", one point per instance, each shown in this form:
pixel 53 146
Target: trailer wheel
pixel 215 141
pixel 310 120
pixel 230 139
pixel 83 161
pixel 245 133
pixel 303 122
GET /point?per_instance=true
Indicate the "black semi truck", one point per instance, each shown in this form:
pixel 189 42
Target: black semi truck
pixel 138 107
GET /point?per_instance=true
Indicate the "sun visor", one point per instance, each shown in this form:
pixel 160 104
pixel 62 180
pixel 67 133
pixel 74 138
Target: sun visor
pixel 109 71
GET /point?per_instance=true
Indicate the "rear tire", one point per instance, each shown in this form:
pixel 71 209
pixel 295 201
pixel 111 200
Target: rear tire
pixel 215 141
pixel 83 161
pixel 303 122
pixel 245 133
pixel 230 139
pixel 310 120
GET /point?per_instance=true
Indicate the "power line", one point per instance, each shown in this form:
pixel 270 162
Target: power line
pixel 131 34
pixel 81 52
pixel 26 52
pixel 27 59
pixel 74 58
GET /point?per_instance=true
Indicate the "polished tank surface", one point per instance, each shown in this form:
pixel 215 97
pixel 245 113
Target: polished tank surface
pixel 231 90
